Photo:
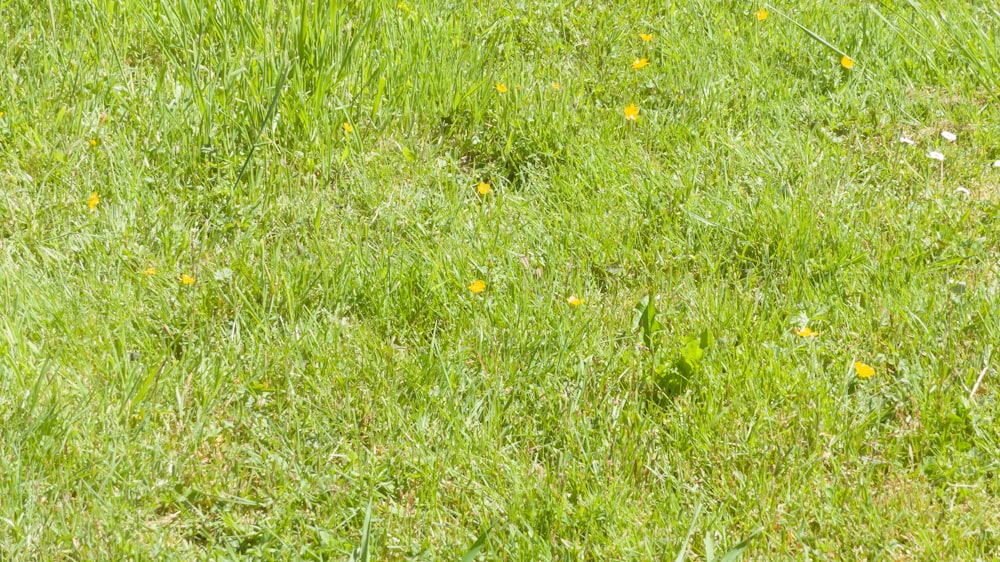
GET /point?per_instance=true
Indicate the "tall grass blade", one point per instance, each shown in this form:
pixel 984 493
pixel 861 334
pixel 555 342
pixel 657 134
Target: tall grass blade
pixel 267 119
pixel 362 553
pixel 687 540
pixel 809 32
pixel 473 551
pixel 734 553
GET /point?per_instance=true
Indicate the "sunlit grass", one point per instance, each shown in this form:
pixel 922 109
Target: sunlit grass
pixel 522 281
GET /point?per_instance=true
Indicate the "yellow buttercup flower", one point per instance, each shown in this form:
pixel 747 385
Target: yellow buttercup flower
pixel 1 114
pixel 477 286
pixel 501 88
pixel 187 279
pixel 640 63
pixel 646 37
pixel 574 301
pixel 93 200
pixel 806 332
pixel 847 62
pixel 555 86
pixel 150 271
pixel 348 128
pixel 761 15
pixel 95 142
pixel 484 188
pixel 631 112
pixel 864 371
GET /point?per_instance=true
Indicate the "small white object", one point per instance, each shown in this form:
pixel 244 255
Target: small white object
pixel 907 140
pixel 996 164
pixel 975 387
pixel 224 274
pixel 963 191
pixel 948 136
pixel 958 288
pixel 935 155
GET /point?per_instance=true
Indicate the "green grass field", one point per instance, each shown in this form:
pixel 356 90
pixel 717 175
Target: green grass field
pixel 479 268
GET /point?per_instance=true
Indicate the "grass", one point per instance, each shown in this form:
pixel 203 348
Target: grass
pixel 330 388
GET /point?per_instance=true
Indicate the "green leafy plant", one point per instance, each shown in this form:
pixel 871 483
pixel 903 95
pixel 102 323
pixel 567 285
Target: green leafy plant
pixel 668 379
pixel 688 361
pixel 645 322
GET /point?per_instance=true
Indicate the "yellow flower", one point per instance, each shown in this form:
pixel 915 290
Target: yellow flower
pixel 574 300
pixel 477 286
pixel 631 112
pixel 761 15
pixel 187 279
pixel 501 88
pixel 93 200
pixel 348 128
pixel 806 332
pixel 847 62
pixel 95 142
pixel 484 188
pixel 150 271
pixel 555 86
pixel 640 63
pixel 1 114
pixel 864 371
pixel 402 6
pixel 646 37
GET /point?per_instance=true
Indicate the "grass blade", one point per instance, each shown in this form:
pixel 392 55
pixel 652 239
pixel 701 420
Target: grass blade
pixel 809 32
pixel 473 551
pixel 267 119
pixel 361 554
pixel 687 540
pixel 734 553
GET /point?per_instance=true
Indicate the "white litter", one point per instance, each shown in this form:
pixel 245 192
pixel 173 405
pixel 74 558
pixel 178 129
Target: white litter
pixel 948 136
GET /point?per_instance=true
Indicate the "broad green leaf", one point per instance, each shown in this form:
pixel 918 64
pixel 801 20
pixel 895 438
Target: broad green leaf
pixel 707 340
